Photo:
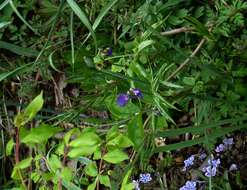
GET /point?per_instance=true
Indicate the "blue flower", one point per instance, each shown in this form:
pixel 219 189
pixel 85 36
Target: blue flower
pixel 136 92
pixel 228 142
pixel 109 51
pixel 189 185
pixel 202 156
pixel 122 99
pixel 220 148
pixel 189 162
pixel 209 171
pixel 145 178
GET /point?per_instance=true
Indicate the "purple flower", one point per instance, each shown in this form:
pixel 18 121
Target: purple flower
pixel 137 93
pixel 202 156
pixel 145 178
pixel 209 171
pixel 136 184
pixel 220 148
pixel 189 162
pixel 233 167
pixel 109 52
pixel 214 163
pixel 228 142
pixel 122 99
pixel 189 185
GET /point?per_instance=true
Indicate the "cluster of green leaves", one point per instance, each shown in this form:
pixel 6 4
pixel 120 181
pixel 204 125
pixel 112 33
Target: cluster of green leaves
pixel 50 39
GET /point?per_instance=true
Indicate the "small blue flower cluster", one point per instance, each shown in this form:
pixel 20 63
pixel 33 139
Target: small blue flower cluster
pixel 227 143
pixel 188 162
pixel 123 99
pixel 189 185
pixel 143 178
pixel 211 168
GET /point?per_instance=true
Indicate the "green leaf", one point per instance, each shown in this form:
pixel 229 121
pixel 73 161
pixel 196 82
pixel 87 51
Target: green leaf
pixel 115 156
pixel 136 131
pixel 18 50
pixel 68 135
pixel 66 174
pixel 120 141
pixel 20 17
pixel 40 134
pixel 121 112
pixel 103 12
pixel 69 185
pixel 3 24
pixel 125 185
pixel 9 147
pixel 91 169
pixel 105 180
pixel 54 163
pixel 31 110
pixel 92 186
pixel 82 151
pixel 86 139
pixel 144 44
pixel 82 16
pixel 24 163
pixel 4 4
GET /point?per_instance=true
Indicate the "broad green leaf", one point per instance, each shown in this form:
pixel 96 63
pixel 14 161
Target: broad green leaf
pixel 24 163
pixel 21 165
pixel 120 141
pixel 121 112
pixel 9 147
pixel 66 174
pixel 82 16
pixel 115 156
pixel 82 151
pixel 91 169
pixel 136 131
pixel 68 135
pixel 31 110
pixel 18 50
pixel 54 163
pixel 105 180
pixel 40 134
pixel 86 139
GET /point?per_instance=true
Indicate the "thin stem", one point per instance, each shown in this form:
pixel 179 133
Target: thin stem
pixel 187 60
pixel 176 31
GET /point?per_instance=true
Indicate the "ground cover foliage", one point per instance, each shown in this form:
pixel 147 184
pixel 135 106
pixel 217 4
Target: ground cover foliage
pixel 123 94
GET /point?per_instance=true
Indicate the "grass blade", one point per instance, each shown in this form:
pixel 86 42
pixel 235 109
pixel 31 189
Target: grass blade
pixel 199 129
pixel 103 12
pixel 72 41
pixel 3 24
pixel 4 4
pixel 82 16
pixel 217 133
pixel 51 62
pixel 14 72
pixel 18 50
pixel 20 17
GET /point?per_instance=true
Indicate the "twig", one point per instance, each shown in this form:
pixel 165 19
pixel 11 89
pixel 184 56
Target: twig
pixel 187 60
pixel 176 31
